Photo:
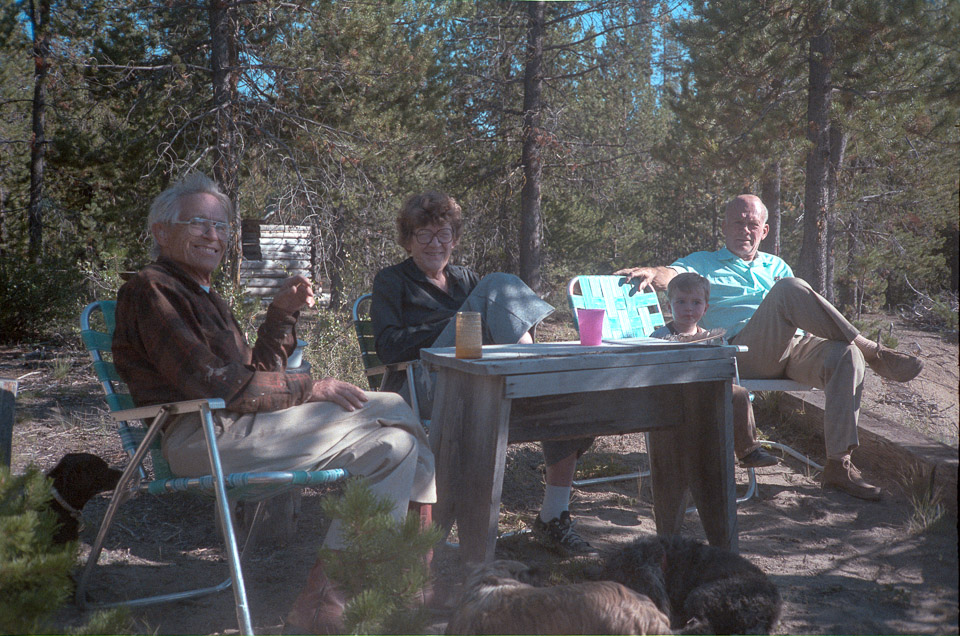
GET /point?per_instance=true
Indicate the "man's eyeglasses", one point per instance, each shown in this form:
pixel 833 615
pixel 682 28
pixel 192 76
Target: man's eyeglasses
pixel 444 235
pixel 199 226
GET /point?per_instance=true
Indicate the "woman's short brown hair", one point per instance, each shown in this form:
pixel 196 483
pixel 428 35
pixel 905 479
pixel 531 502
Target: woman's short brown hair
pixel 429 208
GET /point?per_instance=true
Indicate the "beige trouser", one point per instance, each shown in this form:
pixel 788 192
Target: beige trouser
pixel 824 357
pixel 383 442
pixel 744 425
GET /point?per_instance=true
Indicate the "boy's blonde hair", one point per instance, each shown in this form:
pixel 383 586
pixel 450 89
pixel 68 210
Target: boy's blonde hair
pixel 688 282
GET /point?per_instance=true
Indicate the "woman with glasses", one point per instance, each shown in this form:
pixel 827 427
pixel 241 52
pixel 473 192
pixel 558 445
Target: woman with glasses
pixel 414 305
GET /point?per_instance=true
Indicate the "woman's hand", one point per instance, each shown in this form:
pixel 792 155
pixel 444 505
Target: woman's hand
pixel 346 395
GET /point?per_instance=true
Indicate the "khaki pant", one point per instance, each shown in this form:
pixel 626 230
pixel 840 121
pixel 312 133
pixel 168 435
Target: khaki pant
pixel 744 424
pixel 824 357
pixel 383 442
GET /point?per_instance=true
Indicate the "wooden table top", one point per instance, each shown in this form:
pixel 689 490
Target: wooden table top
pixel 569 356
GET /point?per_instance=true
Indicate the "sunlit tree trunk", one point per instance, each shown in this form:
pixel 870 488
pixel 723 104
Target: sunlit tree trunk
pixel 838 146
pixel 813 251
pixel 224 69
pixel 770 195
pixel 530 219
pixel 39 22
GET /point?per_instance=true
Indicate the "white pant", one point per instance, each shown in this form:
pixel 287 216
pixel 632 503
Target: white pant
pixel 383 442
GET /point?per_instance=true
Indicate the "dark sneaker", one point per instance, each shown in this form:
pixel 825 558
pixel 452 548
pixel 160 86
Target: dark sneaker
pixel 558 535
pixel 843 475
pixel 758 458
pixel 895 365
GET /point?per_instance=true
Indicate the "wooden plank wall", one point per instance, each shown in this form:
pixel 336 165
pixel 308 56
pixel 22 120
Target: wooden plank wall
pixel 271 253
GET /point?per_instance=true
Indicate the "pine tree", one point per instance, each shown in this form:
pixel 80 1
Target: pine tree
pixel 381 569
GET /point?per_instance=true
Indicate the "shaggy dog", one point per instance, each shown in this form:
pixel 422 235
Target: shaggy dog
pixel 76 478
pixel 704 589
pixel 500 598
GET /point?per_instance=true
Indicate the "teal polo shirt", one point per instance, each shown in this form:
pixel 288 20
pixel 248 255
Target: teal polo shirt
pixel 737 287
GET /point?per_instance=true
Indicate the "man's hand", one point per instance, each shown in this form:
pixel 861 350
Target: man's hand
pixel 295 292
pixel 348 396
pixel 656 278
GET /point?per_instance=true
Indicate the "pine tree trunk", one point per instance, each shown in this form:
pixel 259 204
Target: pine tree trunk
pixel 39 18
pixel 770 195
pixel 226 164
pixel 838 146
pixel 530 219
pixel 813 251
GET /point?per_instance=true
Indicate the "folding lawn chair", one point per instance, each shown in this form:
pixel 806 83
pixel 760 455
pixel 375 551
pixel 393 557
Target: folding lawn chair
pixel 139 430
pixel 376 371
pixel 632 314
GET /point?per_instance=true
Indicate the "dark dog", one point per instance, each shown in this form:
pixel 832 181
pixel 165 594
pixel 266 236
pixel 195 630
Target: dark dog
pixel 76 478
pixel 702 588
pixel 501 598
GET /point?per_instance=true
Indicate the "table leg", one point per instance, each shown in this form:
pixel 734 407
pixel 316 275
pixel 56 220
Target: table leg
pixel 668 477
pixel 697 454
pixel 708 419
pixel 474 417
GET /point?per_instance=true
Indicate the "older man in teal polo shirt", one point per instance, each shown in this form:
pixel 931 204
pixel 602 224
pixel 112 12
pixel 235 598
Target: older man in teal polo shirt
pixel 790 331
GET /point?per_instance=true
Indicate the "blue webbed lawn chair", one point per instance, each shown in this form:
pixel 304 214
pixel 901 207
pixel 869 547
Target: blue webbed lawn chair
pixel 633 314
pixel 141 440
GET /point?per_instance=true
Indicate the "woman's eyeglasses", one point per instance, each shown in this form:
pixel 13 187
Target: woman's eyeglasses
pixel 199 226
pixel 444 236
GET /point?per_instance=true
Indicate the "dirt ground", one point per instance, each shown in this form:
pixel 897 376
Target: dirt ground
pixel 842 565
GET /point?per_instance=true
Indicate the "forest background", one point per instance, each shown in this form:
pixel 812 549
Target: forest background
pixel 579 137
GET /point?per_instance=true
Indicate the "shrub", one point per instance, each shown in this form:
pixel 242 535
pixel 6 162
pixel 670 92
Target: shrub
pixel 34 572
pixel 38 299
pixel 381 569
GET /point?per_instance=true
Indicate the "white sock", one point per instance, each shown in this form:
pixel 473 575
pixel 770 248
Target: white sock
pixel 556 499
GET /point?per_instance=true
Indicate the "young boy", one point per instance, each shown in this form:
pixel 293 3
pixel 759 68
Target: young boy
pixel 688 294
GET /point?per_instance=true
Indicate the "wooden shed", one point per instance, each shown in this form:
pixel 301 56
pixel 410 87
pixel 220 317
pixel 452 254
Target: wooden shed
pixel 271 253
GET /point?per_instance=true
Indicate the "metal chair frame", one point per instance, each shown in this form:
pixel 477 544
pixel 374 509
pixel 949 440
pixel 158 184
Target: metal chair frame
pixel 630 314
pixel 138 441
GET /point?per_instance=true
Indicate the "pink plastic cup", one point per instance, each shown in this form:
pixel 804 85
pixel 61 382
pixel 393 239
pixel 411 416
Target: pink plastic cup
pixel 591 326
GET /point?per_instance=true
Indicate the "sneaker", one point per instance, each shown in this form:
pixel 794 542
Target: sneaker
pixel 844 476
pixel 895 365
pixel 558 535
pixel 758 458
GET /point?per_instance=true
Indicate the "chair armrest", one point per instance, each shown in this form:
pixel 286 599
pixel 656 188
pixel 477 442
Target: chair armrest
pixel 174 408
pixel 383 368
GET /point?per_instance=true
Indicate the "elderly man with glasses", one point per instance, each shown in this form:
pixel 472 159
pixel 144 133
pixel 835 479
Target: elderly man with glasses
pixel 176 339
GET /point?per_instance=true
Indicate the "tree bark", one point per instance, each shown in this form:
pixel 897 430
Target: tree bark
pixel 226 163
pixel 770 195
pixel 530 219
pixel 39 22
pixel 838 146
pixel 813 251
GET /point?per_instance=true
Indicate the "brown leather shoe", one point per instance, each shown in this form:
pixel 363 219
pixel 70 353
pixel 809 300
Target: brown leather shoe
pixel 895 365
pixel 319 608
pixel 843 475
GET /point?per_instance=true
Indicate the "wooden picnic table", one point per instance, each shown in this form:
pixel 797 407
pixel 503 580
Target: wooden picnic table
pixel 681 393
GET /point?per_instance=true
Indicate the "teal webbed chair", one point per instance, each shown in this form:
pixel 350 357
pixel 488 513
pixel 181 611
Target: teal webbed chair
pixel 633 314
pixel 139 430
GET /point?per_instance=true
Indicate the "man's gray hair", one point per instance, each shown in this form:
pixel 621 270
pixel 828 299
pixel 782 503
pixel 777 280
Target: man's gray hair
pixel 166 206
